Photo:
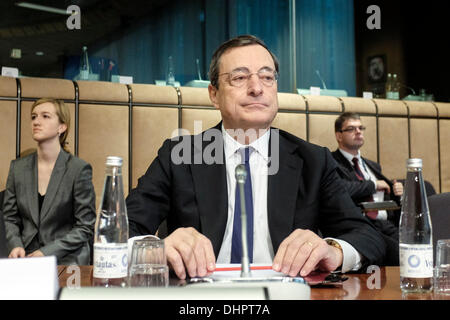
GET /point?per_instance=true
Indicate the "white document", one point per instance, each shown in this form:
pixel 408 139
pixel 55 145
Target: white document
pixel 10 72
pixel 29 279
pixel 232 271
pixel 314 91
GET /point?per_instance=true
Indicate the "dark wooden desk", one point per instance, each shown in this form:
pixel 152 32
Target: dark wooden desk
pixel 357 287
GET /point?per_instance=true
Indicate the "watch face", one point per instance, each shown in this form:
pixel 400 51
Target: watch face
pixel 376 69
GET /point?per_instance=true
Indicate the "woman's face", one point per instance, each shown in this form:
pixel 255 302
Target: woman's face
pixel 45 124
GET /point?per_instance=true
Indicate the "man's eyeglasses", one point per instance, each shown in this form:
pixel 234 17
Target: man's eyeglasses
pixel 353 129
pixel 238 78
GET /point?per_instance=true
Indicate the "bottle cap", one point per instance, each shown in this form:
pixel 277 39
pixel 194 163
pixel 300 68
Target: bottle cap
pixel 113 161
pixel 414 163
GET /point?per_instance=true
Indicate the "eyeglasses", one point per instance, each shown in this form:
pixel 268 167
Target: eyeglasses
pixel 238 78
pixel 353 129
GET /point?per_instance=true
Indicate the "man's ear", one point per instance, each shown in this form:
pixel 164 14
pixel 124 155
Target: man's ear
pixel 212 90
pixel 338 136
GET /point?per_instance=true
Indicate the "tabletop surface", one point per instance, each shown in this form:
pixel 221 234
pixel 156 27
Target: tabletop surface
pixel 382 284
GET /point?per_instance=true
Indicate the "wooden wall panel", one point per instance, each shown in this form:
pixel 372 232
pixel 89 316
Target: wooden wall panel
pixel 424 145
pixel 103 133
pixel 394 152
pixel 7 138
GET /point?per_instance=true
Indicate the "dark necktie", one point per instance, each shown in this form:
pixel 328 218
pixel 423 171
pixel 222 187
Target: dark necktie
pixel 360 176
pixel 236 244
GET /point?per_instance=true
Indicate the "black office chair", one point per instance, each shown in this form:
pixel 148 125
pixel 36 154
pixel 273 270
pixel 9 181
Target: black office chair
pixel 439 205
pixel 3 249
pixel 428 187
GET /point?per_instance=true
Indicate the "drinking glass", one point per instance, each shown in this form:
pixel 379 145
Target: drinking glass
pixel 148 264
pixel 442 269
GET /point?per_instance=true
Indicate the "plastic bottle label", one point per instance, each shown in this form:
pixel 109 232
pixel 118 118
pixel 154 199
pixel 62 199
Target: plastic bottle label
pixel 110 260
pixel 416 260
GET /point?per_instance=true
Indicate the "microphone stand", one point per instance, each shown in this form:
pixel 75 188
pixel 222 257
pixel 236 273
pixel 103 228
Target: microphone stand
pixel 276 287
pixel 241 175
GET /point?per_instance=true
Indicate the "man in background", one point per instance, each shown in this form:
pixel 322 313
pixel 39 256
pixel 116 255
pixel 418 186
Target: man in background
pixel 364 180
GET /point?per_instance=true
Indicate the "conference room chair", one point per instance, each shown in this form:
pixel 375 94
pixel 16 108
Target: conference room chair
pixel 429 188
pixel 439 205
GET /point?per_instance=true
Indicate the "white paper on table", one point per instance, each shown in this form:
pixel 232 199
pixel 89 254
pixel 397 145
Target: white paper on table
pixel 258 270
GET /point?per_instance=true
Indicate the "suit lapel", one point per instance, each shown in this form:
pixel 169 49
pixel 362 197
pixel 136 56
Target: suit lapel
pixel 210 184
pixel 343 161
pixel 29 177
pixel 283 189
pixel 55 180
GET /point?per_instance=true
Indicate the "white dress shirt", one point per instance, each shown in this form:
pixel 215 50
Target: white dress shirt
pixel 378 196
pixel 262 244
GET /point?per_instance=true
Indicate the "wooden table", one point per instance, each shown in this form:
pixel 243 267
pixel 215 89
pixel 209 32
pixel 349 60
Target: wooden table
pixel 356 287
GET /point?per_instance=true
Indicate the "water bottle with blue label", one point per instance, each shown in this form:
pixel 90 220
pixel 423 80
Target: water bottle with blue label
pixel 111 231
pixel 416 239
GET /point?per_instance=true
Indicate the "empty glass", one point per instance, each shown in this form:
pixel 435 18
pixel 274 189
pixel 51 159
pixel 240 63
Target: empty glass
pixel 442 269
pixel 148 264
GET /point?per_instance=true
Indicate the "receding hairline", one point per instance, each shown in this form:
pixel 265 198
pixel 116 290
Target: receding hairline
pixel 228 50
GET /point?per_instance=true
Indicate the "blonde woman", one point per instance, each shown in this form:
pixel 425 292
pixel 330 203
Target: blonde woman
pixel 49 201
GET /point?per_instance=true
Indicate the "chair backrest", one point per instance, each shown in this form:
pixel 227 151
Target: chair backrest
pixel 428 187
pixel 440 217
pixel 3 250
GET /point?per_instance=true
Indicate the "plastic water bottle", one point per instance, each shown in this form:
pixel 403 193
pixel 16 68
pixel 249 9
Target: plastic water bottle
pixel 170 77
pixel 84 65
pixel 395 88
pixel 416 238
pixel 389 88
pixel 111 231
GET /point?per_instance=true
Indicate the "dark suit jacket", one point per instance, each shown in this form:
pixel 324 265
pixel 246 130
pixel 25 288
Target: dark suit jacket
pixel 361 191
pixel 65 225
pixel 305 193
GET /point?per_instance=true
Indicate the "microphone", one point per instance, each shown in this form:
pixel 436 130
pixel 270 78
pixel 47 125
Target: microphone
pixel 197 62
pixel 241 176
pixel 323 82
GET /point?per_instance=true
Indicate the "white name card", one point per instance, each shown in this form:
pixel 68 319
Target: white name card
pixel 367 95
pixel 122 79
pixel 10 72
pixel 29 279
pixel 315 91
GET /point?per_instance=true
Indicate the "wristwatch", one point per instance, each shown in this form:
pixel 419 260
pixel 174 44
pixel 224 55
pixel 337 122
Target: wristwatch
pixel 334 243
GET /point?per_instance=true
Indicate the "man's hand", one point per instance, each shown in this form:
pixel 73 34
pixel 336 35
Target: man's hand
pixel 397 188
pixel 186 248
pixel 303 251
pixel 383 186
pixel 34 254
pixel 17 252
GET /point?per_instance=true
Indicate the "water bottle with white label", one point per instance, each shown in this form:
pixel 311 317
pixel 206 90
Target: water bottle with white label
pixel 416 240
pixel 111 231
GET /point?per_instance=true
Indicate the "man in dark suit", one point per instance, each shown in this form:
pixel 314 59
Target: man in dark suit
pixel 364 180
pixel 295 190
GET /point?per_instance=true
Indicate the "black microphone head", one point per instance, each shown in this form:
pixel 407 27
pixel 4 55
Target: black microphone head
pixel 240 173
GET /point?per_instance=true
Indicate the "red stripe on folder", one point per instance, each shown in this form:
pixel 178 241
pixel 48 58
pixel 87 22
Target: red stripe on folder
pixel 239 268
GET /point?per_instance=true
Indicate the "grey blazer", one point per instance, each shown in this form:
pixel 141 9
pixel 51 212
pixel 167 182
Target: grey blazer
pixel 65 225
